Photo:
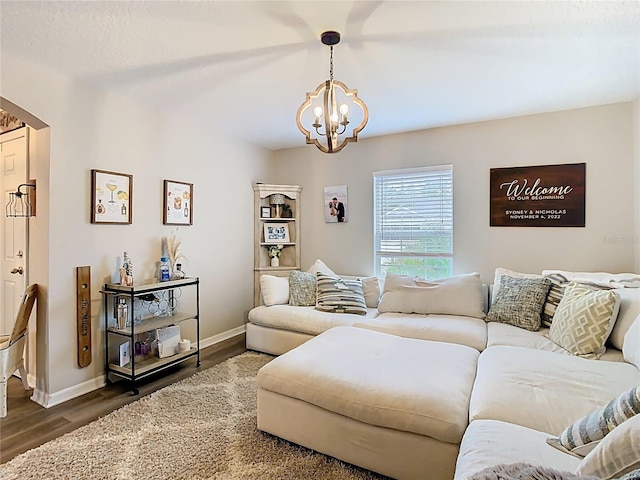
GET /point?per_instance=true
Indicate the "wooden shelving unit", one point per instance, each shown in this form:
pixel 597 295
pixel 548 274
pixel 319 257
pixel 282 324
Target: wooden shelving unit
pixel 290 256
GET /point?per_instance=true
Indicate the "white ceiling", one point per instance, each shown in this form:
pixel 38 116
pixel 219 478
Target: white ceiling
pixel 243 68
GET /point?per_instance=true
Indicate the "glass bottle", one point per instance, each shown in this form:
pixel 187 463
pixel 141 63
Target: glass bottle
pixel 165 275
pixel 122 314
pixel 179 273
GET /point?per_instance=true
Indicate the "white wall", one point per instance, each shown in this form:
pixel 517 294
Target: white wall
pixel 636 152
pixel 96 129
pixel 599 136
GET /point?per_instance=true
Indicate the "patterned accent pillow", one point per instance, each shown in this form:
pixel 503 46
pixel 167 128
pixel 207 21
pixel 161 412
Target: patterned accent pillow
pixel 519 302
pixel 584 319
pixel 617 454
pixel 584 434
pixel 302 289
pixel 339 295
pixel 558 284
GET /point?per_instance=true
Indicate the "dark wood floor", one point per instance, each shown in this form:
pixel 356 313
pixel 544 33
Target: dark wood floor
pixel 28 425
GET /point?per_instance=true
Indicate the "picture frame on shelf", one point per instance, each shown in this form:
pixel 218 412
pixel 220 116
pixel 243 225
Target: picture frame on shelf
pixel 111 197
pixel 177 205
pixel 275 233
pixel 265 212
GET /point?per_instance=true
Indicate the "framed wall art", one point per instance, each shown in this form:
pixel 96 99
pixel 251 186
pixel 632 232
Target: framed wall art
pixel 335 204
pixel 275 233
pixel 111 197
pixel 178 203
pixel 538 196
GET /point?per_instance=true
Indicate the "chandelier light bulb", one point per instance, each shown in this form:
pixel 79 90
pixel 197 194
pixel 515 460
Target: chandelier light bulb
pixel 317 112
pixel 344 109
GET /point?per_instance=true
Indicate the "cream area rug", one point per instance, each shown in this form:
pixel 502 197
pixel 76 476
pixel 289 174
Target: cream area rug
pixel 203 427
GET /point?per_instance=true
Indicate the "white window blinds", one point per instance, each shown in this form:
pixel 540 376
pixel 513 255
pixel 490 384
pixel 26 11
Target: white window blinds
pixel 413 224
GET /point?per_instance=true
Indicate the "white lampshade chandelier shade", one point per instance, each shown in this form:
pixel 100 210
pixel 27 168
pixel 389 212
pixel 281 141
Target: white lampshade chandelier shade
pixel 332 115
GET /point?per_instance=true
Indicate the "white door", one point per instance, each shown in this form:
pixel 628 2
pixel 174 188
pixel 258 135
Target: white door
pixel 13 230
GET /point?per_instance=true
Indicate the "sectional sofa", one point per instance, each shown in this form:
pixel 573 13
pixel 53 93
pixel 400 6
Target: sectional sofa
pixel 462 386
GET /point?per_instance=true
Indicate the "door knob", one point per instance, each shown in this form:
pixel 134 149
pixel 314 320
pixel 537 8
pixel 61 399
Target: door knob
pixel 18 270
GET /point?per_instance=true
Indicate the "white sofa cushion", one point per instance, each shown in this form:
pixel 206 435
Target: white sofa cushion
pixel 469 331
pixel 543 390
pixel 459 295
pixel 380 387
pixel 510 335
pixel 274 290
pixel 584 434
pixel 504 334
pixel 631 348
pixel 487 443
pixel 584 319
pixel 629 310
pixel 617 454
pixel 320 267
pixel 302 319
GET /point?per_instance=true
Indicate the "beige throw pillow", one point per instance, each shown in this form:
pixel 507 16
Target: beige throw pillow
pixel 459 295
pixel 584 319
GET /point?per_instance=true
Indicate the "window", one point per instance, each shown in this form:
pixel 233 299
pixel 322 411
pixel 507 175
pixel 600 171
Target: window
pixel 413 221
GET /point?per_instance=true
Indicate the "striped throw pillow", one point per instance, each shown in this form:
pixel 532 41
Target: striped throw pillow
pixel 584 434
pixel 339 295
pixel 558 284
pixel 618 454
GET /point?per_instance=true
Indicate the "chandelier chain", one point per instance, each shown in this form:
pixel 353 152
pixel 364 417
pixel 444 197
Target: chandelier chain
pixel 331 65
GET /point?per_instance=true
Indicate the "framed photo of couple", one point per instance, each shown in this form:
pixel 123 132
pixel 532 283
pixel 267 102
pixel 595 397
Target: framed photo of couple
pixel 335 204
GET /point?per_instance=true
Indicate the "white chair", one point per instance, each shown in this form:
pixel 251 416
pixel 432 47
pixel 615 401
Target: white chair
pixel 12 347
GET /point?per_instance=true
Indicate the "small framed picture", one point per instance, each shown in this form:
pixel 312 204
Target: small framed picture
pixel 335 201
pixel 275 233
pixel 178 203
pixel 265 212
pixel 111 195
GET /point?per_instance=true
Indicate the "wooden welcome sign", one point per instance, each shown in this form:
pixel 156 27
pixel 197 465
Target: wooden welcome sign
pixel 83 314
pixel 538 196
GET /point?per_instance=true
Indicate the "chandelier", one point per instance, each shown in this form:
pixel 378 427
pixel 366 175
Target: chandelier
pixel 327 110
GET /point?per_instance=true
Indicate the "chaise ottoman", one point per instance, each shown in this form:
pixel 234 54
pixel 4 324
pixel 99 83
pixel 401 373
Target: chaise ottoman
pixel 394 405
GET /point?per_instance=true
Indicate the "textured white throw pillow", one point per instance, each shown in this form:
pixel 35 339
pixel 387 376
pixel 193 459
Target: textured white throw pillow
pixel 618 453
pixel 275 290
pixel 459 295
pixel 371 290
pixel 631 347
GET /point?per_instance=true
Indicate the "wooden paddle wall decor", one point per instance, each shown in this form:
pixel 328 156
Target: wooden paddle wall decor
pixel 83 309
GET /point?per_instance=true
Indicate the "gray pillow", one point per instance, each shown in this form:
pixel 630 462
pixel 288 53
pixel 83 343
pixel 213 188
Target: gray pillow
pixel 302 289
pixel 519 302
pixel 339 295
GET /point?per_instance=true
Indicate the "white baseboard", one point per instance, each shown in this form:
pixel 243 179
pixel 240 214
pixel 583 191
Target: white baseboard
pixel 51 400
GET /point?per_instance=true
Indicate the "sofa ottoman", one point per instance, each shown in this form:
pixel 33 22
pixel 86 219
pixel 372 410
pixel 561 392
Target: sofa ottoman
pixel 394 405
